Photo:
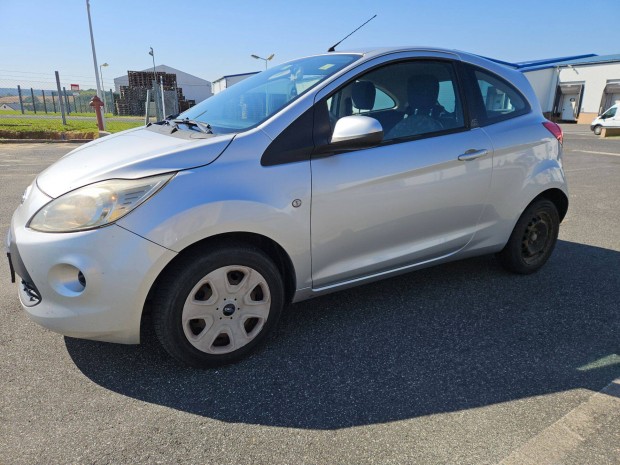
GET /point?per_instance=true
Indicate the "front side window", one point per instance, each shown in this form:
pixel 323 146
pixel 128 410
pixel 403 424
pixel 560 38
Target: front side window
pixel 255 99
pixel 409 99
pixel 609 113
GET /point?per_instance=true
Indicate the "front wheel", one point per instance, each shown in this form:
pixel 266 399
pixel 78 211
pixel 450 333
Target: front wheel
pixel 598 129
pixel 216 307
pixel 533 238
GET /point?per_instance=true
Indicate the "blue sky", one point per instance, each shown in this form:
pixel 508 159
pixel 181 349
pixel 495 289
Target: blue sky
pixel 211 38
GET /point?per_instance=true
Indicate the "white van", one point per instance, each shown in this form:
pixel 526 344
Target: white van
pixel 609 119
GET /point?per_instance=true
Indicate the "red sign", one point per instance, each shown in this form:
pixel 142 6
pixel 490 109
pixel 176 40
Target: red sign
pixel 75 87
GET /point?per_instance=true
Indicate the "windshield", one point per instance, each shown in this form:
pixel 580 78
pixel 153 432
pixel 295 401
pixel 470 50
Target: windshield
pixel 255 99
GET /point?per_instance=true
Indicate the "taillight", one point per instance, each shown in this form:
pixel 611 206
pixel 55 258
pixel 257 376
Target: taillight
pixel 555 130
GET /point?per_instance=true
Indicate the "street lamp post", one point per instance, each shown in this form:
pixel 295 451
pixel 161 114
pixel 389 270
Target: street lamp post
pixel 92 43
pixel 102 84
pixel 154 91
pixel 264 59
pixel 152 53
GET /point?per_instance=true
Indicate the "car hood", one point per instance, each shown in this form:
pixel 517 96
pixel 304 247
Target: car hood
pixel 129 155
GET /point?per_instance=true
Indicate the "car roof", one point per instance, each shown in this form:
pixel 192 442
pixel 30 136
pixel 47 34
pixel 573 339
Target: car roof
pixel 376 51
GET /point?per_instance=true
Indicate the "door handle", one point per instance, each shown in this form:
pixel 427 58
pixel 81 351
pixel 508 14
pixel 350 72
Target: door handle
pixel 472 154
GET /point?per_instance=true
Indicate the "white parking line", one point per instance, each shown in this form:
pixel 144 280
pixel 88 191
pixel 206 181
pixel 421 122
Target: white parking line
pixel 597 153
pixel 578 428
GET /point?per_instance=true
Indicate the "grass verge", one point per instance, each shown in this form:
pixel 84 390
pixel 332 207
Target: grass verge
pixel 51 113
pixel 54 129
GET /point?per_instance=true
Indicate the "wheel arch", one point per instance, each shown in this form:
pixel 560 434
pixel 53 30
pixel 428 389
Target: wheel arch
pixel 274 251
pixel 559 199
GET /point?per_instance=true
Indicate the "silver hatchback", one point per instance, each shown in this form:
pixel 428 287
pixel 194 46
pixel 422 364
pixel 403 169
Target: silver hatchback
pixel 317 175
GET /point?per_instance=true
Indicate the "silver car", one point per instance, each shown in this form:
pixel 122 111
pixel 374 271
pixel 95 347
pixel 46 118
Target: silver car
pixel 317 175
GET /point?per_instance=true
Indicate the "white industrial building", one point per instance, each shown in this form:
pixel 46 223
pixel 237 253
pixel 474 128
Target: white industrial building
pixel 226 81
pixel 574 89
pixel 194 88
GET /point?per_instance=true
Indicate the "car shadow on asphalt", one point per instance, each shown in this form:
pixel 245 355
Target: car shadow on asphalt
pixel 457 336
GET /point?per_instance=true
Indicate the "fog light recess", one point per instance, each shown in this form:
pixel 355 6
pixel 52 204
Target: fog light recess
pixel 67 280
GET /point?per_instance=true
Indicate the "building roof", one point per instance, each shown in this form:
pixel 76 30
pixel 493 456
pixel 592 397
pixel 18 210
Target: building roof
pixel 589 59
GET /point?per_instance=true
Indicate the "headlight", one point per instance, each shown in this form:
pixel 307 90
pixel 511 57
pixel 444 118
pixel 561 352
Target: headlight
pixel 96 205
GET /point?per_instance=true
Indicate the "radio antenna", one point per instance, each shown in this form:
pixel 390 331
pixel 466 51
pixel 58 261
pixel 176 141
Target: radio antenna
pixel 333 47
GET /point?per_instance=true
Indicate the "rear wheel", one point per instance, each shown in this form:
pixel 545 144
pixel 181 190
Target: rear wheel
pixel 533 238
pixel 216 308
pixel 598 129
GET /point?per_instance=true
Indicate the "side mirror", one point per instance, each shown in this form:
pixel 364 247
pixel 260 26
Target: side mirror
pixel 356 132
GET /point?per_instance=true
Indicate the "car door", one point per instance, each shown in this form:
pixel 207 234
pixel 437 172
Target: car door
pixel 414 198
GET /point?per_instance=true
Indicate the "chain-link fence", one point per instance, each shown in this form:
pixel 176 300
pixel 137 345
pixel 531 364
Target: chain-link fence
pixel 32 106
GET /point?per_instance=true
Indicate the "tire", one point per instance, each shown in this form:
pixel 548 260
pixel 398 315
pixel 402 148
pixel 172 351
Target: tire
pixel 216 307
pixel 533 238
pixel 597 130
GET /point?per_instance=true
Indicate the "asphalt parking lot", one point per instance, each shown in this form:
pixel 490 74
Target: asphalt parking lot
pixel 462 363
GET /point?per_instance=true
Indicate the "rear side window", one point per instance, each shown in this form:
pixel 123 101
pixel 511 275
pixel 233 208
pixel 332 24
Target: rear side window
pixel 495 99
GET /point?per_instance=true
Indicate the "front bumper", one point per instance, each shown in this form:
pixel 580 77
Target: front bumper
pixel 91 284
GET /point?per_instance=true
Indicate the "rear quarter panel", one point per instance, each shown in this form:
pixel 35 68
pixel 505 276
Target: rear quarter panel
pixel 526 162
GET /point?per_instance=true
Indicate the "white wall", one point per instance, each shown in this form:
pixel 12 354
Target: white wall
pixel 235 79
pixel 194 88
pixel 219 85
pixel 595 78
pixel 226 81
pixel 544 83
pixel 120 81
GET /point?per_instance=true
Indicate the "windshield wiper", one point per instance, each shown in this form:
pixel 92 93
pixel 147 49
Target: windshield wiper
pixel 202 127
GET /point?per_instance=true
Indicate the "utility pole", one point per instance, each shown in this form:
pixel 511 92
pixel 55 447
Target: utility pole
pixel 92 43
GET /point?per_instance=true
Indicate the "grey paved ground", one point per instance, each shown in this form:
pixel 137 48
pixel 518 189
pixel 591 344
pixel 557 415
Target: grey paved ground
pixel 462 363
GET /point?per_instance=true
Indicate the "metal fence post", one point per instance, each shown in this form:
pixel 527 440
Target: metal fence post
pixel 34 104
pixel 21 102
pixel 60 103
pixel 148 101
pixel 64 91
pixel 53 101
pixel 156 100
pixel 176 99
pixel 163 102
pixel 113 106
pixel 44 102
